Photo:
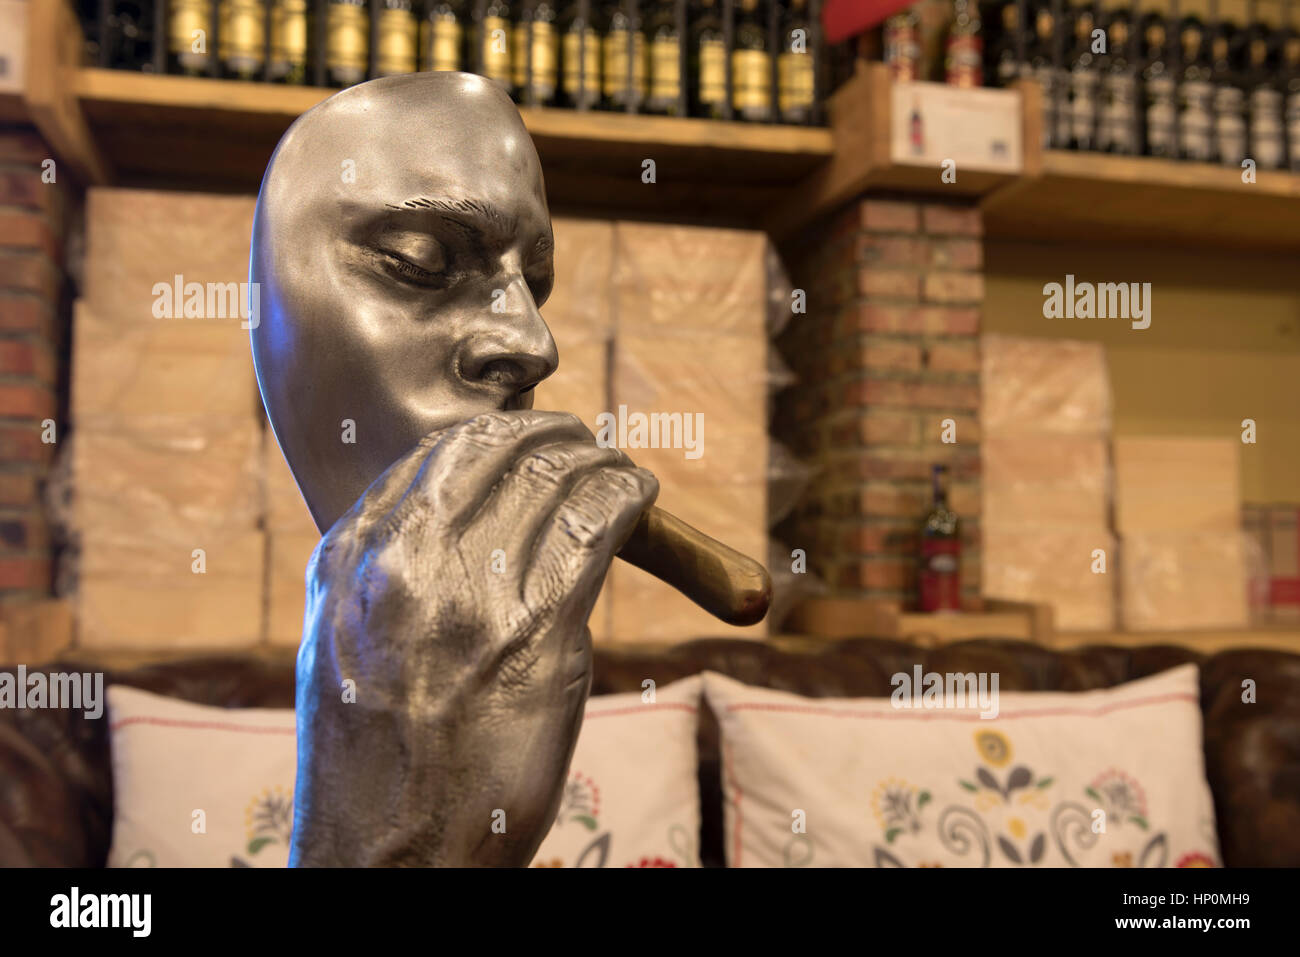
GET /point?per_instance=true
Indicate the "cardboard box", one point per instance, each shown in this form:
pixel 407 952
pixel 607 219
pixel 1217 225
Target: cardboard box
pixel 1032 386
pixel 286 586
pixel 1183 580
pixel 162 477
pixel 715 387
pixel 579 310
pixel 1053 567
pixel 1176 484
pixel 181 611
pixel 689 280
pixel 1048 481
pixel 286 510
pixel 137 239
pixel 130 368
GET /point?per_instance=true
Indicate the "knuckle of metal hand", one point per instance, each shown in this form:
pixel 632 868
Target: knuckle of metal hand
pixel 548 464
pixel 585 528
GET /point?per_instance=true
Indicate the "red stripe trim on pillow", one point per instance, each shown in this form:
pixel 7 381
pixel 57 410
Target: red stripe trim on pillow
pixel 969 714
pixel 205 725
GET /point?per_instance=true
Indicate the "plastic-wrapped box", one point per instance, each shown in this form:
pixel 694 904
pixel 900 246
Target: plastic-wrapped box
pixel 1183 580
pixel 1172 484
pixel 147 366
pixel 1057 567
pixel 1046 480
pixel 165 511
pixel 1031 386
pixel 701 400
pixel 578 310
pixel 690 279
pixel 138 238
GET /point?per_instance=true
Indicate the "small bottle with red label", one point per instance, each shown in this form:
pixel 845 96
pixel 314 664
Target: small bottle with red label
pixel 964 59
pixel 940 576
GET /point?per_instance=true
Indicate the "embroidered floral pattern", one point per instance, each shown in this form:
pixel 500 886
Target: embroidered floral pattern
pixel 268 819
pixel 896 806
pixel 580 801
pixel 1013 817
pixel 993 747
pixel 1121 797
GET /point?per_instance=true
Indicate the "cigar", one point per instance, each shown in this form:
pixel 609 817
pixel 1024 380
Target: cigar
pixel 725 583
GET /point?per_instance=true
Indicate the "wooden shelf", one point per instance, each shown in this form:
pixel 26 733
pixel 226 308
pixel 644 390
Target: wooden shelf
pixel 204 133
pixel 140 129
pixel 1099 197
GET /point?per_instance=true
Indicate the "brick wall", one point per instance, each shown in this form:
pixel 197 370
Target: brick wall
pixel 888 349
pixel 32 333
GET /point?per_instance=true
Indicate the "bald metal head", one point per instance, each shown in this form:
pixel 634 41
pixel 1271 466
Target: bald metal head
pixel 403 247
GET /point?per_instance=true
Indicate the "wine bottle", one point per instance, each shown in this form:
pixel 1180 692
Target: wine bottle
pixel 494 39
pixel 188 25
pixel 708 62
pixel 1264 100
pixel 902 45
pixel 1195 94
pixel 442 35
pixel 127 35
pixel 795 67
pixel 1119 84
pixel 397 40
pixel 1085 80
pixel 1005 64
pixel 1228 98
pixel 1289 81
pixel 964 54
pixel 615 89
pixel 665 60
pixel 242 38
pixel 751 65
pixel 580 59
pixel 347 36
pixel 289 41
pixel 940 578
pixel 1051 77
pixel 1160 111
pixel 541 14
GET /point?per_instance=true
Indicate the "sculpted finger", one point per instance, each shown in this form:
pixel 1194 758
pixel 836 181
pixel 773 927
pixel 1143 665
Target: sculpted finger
pixel 575 548
pixel 469 460
pixel 526 500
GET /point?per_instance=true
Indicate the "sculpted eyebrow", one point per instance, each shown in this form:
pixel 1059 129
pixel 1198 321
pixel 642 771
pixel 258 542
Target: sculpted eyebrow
pixel 482 212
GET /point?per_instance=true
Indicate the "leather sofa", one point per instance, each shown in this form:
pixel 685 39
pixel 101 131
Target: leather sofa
pixel 56 789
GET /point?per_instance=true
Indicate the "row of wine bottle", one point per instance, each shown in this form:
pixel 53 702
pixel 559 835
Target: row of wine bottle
pixel 655 56
pixel 1124 80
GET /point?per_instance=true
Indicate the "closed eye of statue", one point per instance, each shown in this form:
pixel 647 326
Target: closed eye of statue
pixel 416 257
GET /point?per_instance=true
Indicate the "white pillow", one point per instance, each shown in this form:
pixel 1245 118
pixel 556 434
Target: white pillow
pixel 197 786
pixel 632 793
pixel 861 783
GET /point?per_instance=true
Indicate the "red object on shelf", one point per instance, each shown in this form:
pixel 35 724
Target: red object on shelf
pixel 842 19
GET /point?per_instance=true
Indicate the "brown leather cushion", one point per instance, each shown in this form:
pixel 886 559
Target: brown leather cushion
pixel 56 798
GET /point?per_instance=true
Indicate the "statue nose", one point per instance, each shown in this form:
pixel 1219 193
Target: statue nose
pixel 514 348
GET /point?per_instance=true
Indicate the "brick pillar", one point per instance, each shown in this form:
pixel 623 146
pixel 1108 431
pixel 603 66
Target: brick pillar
pixel 31 343
pixel 888 350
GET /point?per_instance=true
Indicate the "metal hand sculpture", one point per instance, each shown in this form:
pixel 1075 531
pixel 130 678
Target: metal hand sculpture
pixel 403 245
